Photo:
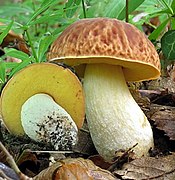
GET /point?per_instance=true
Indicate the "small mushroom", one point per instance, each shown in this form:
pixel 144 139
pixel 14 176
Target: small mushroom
pixel 46 102
pixel 109 52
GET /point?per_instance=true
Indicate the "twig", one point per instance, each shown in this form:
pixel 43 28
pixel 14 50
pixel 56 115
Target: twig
pixel 10 159
pixel 84 9
pixel 3 176
pixel 12 163
pixel 53 152
pixel 116 161
pixel 127 14
pixel 1 136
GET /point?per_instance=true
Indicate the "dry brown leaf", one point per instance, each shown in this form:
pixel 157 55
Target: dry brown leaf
pixel 100 162
pixel 3 157
pixel 74 169
pixel 84 144
pixel 142 101
pixel 162 168
pixel 27 155
pixel 148 28
pixel 162 83
pixel 164 118
pixel 16 40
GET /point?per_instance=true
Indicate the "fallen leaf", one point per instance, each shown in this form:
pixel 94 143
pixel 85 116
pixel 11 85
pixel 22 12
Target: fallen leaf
pixel 99 161
pixel 14 40
pixel 28 163
pixel 142 101
pixel 164 118
pixel 75 168
pixel 162 83
pixel 84 144
pixel 149 168
pixel 3 157
pixel 27 155
pixel 152 95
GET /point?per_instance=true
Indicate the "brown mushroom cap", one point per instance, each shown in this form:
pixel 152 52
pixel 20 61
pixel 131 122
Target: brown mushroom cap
pixel 58 82
pixel 110 41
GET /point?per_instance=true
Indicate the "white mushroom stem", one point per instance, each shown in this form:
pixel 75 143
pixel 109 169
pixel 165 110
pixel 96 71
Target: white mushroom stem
pixel 45 120
pixel 115 120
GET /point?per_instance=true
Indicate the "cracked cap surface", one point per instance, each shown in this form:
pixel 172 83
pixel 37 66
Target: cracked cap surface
pixel 110 41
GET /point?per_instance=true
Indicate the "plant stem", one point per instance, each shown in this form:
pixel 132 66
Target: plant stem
pixel 33 5
pixel 127 14
pixel 12 163
pixel 84 9
pixel 10 159
pixel 32 47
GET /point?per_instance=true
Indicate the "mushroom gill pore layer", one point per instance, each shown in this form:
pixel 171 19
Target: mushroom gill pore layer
pixel 60 83
pixel 107 53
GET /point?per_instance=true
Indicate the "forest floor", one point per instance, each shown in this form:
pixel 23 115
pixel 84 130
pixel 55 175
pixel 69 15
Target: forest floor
pixel 157 100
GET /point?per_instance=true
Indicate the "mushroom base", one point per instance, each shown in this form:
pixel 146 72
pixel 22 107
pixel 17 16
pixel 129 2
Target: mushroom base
pixel 115 120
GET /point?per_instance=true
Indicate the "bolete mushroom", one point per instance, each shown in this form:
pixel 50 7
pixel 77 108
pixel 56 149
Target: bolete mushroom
pixel 110 52
pixel 46 101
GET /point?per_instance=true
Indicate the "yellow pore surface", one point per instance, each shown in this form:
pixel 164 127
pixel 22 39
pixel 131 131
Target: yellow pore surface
pixel 58 82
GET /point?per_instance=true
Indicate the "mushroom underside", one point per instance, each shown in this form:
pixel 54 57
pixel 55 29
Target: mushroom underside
pixel 48 78
pixel 132 67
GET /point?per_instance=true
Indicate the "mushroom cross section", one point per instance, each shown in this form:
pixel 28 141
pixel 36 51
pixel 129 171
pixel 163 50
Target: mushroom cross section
pixel 107 53
pixel 45 101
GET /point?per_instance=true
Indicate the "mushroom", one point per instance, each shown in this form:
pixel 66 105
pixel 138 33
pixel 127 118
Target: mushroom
pixel 109 52
pixel 45 101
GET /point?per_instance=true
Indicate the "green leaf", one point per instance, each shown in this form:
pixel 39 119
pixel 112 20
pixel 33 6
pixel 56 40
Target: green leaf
pixel 168 45
pixel 114 8
pixel 150 6
pixel 71 6
pixel 5 32
pixel 60 29
pixel 14 9
pixel 156 33
pixel 17 54
pixel 172 24
pixel 161 12
pixel 173 6
pixel 44 6
pixel 18 67
pixel 107 8
pixel 47 18
pixel 133 4
pixel 10 65
pixel 69 3
pixel 44 44
pixel 2 72
pixel 166 5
